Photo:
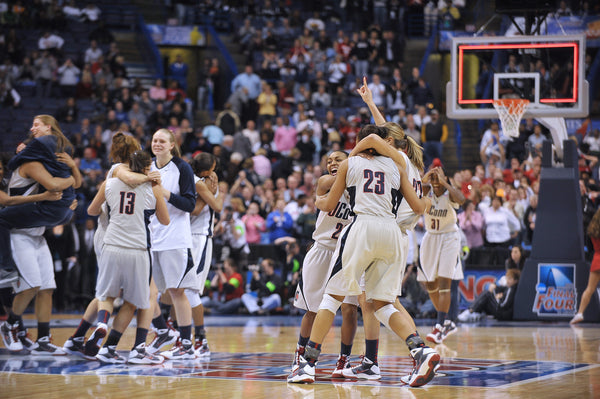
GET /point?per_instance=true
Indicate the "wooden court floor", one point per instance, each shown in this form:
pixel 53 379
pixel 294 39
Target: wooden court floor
pixel 251 358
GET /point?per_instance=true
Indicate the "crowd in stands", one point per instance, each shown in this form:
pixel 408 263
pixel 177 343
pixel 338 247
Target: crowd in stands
pixel 294 102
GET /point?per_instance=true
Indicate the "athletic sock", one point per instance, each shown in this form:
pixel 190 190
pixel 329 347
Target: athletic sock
pixel 199 333
pixel 345 349
pixel 414 341
pixel 103 316
pixel 84 326
pixel 371 349
pixel 441 316
pixel 302 341
pixel 140 336
pixel 185 332
pixel 43 330
pixel 113 338
pixel 159 323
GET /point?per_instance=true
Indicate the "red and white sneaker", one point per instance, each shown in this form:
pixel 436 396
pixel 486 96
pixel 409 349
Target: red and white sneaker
pixel 435 335
pixel 299 352
pixel 342 363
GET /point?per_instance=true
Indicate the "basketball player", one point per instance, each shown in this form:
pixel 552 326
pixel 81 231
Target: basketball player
pixel 369 245
pixel 440 248
pixel 122 147
pixel 411 158
pixel 33 260
pixel 172 263
pixel 317 267
pixel 209 201
pixel 125 262
pixel 48 140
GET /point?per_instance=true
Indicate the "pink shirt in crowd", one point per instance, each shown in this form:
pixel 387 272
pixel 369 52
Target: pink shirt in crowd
pixel 254 225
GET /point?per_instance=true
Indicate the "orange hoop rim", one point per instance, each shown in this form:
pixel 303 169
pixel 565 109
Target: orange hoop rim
pixel 507 102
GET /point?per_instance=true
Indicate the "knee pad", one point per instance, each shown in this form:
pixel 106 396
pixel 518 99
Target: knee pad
pixel 445 290
pixel 384 314
pixel 193 297
pixel 330 303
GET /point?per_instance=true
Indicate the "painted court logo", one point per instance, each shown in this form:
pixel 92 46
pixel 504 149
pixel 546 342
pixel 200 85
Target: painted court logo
pixel 555 291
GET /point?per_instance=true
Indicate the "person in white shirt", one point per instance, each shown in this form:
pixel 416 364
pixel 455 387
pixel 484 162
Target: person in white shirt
pixel 378 90
pixel 50 41
pixel 501 226
pixel 93 53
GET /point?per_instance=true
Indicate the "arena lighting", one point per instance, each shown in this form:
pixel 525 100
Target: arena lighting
pixel 517 46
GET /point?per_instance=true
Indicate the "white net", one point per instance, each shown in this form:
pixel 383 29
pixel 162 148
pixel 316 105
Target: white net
pixel 510 111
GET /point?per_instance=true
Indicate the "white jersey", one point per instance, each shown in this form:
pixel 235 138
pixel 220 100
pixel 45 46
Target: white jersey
pixel 103 218
pixel 373 185
pixel 329 225
pixel 177 177
pixel 129 209
pixel 441 217
pixel 406 217
pixel 20 185
pixel 203 223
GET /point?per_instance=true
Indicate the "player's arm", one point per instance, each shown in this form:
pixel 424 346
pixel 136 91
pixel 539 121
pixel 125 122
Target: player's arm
pixel 324 184
pixel 426 182
pixel 367 96
pixel 66 158
pixel 95 207
pixel 162 213
pixel 37 171
pixel 456 195
pixel 418 205
pixel 123 173
pixel 381 146
pixel 328 202
pixel 7 200
pixel 207 194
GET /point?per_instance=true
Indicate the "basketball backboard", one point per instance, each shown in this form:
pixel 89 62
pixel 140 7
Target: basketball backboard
pixel 549 71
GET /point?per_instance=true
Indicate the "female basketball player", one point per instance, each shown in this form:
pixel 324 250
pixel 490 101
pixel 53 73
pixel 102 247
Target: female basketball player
pixel 317 268
pixel 48 141
pixel 369 245
pixel 123 146
pixel 440 248
pixel 125 262
pixel 209 201
pixel 172 263
pixel 411 158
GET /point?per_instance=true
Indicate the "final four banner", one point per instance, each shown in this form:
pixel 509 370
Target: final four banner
pixel 556 295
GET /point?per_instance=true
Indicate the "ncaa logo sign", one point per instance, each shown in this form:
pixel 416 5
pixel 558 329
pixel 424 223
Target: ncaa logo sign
pixel 555 290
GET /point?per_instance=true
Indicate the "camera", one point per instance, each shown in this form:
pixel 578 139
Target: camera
pixel 253 268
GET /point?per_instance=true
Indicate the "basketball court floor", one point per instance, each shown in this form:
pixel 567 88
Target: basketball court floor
pixel 251 358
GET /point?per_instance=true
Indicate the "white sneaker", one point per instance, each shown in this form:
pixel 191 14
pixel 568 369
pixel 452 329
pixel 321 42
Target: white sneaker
pixel 366 370
pixel 576 319
pixel 342 363
pixel 139 356
pixel 183 352
pixel 464 316
pixel 161 340
pixel 9 337
pixel 305 373
pixel 44 346
pixel 425 362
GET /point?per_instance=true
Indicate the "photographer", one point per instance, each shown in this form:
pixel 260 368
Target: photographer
pixel 265 288
pixel 232 233
pixel 229 286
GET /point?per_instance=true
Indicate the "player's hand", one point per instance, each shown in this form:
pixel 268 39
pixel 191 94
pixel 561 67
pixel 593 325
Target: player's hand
pixel 21 147
pixel 154 178
pixel 73 205
pixel 65 158
pixel 364 92
pixel 52 195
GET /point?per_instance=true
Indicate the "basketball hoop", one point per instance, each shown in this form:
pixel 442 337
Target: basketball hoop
pixel 510 111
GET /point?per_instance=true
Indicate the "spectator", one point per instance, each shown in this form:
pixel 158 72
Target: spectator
pixel 320 98
pixel 71 11
pixel 421 118
pixel 449 16
pixel 9 97
pixel 136 113
pixel 280 224
pixel 228 120
pixel 89 162
pixel 516 260
pixel 251 82
pixel 497 301
pixel 501 226
pixel 69 112
pixel 91 13
pixel 45 67
pixel 471 222
pixel 360 54
pixel 51 42
pixel 68 77
pixel 178 71
pixel 422 94
pixel 315 23
pixel 433 135
pixel 92 53
pixel 267 105
pixel 266 288
pixel 379 91
pixel 529 219
pixel 157 92
pixel 255 224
